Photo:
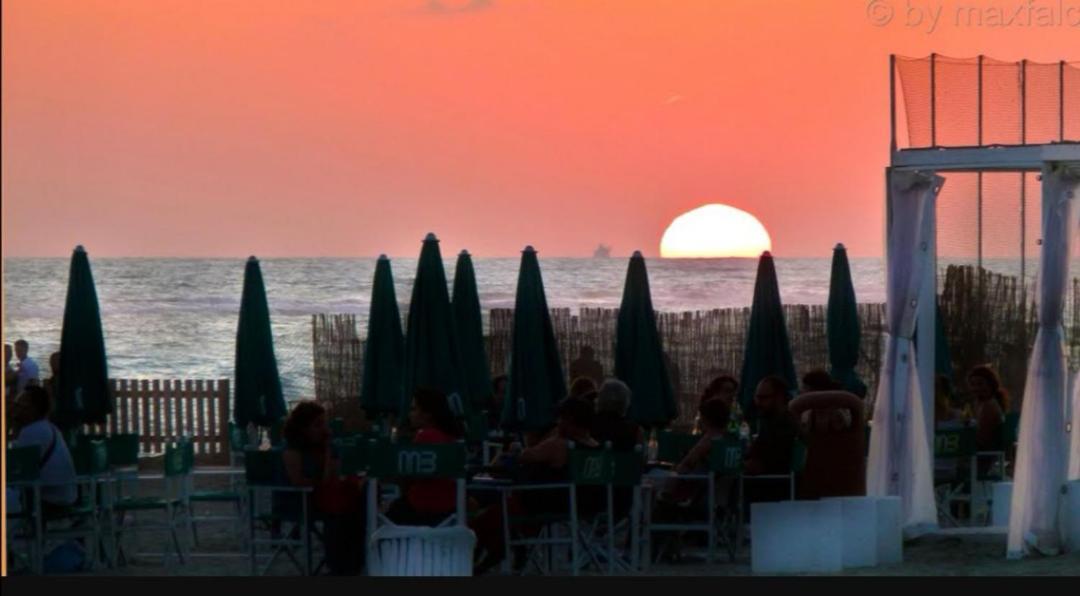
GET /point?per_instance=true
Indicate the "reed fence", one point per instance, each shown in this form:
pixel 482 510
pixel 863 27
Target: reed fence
pixel 986 318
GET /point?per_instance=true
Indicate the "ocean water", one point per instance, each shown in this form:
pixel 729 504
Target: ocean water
pixel 176 318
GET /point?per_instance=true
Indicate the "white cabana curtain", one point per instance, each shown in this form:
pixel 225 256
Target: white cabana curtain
pixel 900 460
pixel 1074 435
pixel 1042 451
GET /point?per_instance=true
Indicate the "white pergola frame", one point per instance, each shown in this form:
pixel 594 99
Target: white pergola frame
pixel 1029 158
pixel 980 159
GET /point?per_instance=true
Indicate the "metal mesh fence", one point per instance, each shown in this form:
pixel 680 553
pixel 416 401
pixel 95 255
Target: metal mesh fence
pixel 976 102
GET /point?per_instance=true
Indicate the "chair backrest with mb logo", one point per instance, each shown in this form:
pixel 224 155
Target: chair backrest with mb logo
pixel 954 442
pixel 404 460
pixel 595 467
pixel 726 456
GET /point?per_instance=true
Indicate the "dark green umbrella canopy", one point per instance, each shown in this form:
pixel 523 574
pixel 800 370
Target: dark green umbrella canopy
pixel 843 327
pixel 383 388
pixel 639 355
pixel 536 382
pixel 470 333
pixel 82 389
pixel 257 397
pixel 431 352
pixel 942 355
pixel 768 351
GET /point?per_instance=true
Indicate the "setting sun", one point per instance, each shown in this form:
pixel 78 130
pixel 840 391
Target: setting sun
pixel 715 231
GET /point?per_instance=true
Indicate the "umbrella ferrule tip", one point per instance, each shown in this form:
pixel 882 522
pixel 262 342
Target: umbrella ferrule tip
pixel 464 253
pixel 430 237
pixel 252 258
pixel 839 246
pixel 638 255
pixel 766 254
pixel 383 257
pixel 80 248
pixel 529 248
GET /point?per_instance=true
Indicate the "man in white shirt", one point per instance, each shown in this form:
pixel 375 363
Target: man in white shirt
pixel 28 369
pixel 58 487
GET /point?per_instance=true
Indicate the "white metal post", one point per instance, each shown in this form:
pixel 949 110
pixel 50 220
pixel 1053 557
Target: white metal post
pixel 927 327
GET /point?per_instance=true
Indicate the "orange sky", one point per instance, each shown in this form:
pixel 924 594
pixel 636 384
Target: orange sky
pixel 350 128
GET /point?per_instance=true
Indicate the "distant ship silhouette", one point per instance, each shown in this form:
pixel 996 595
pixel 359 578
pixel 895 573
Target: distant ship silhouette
pixel 602 252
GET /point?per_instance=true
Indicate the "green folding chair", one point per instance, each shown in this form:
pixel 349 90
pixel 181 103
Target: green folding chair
pixel 955 469
pixel 725 461
pixel 612 471
pixel 387 461
pixel 23 474
pixel 798 464
pixel 88 516
pixel 173 502
pixel 287 522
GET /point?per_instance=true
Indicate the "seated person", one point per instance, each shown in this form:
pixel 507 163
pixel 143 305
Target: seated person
pixel 311 461
pixel 714 415
pixel 428 502
pixel 31 417
pixel 545 462
pixel 991 401
pixel 835 442
pixel 726 388
pixel 770 452
pixel 611 424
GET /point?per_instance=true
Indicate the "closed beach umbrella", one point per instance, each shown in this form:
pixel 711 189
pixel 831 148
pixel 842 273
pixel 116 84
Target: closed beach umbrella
pixel 82 390
pixel 470 333
pixel 942 355
pixel 842 327
pixel 768 351
pixel 536 382
pixel 383 388
pixel 639 357
pixel 257 397
pixel 431 352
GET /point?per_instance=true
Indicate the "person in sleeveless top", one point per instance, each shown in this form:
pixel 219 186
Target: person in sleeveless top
pixel 310 460
pixel 546 462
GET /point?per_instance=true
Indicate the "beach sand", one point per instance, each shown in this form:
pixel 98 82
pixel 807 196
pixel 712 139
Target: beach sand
pixel 219 554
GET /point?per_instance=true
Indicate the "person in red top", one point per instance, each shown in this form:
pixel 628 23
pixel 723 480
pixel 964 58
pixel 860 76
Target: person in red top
pixel 428 502
pixel 835 437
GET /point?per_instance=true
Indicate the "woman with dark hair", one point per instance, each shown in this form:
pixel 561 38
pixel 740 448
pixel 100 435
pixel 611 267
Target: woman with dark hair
pixel 310 460
pixel 725 388
pixel 428 502
pixel 990 402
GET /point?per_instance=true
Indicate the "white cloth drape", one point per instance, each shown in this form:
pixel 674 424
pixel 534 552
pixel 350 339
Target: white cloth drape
pixel 1074 436
pixel 900 460
pixel 1041 454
